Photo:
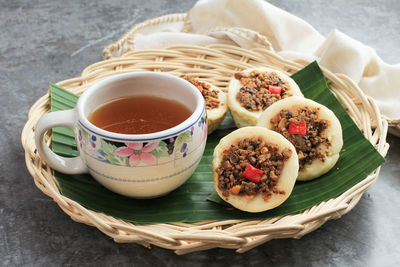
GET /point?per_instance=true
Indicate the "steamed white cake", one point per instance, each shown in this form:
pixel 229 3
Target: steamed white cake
pixel 215 100
pixel 253 90
pixel 312 128
pixel 254 169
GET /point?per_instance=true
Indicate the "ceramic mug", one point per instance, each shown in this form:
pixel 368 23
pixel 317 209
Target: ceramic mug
pixel 134 165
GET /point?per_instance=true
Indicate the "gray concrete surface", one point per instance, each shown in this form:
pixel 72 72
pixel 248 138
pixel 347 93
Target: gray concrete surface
pixel 43 40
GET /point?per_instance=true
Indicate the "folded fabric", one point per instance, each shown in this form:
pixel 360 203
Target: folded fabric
pixel 219 21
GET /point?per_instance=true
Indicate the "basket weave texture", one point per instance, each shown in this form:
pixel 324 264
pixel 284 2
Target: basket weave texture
pixel 215 64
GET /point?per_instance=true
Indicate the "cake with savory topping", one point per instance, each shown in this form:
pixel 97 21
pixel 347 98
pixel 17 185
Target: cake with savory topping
pixel 254 169
pixel 312 128
pixel 215 100
pixel 253 90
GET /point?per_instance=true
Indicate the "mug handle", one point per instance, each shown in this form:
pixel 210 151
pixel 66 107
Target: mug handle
pixel 50 120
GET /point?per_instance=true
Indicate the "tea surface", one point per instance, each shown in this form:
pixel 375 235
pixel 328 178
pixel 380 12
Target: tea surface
pixel 140 114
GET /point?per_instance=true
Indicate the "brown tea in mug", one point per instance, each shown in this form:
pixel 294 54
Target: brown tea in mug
pixel 140 114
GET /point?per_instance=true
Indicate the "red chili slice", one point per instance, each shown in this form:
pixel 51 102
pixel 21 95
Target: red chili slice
pixel 298 127
pixel 252 173
pixel 274 89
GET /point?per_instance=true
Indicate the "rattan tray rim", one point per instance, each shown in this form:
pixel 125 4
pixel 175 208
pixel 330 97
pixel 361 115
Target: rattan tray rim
pixel 242 235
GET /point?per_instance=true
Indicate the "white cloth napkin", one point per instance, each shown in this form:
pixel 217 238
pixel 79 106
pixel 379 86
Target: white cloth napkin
pixel 291 37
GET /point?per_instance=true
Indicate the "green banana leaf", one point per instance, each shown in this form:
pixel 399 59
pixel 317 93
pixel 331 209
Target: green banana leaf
pixel 196 200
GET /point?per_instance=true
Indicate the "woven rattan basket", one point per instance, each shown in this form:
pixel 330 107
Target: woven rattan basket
pixel 215 64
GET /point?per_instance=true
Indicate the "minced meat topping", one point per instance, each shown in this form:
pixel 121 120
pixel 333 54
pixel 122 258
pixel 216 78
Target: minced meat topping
pixel 306 145
pixel 210 96
pixel 256 152
pixel 255 94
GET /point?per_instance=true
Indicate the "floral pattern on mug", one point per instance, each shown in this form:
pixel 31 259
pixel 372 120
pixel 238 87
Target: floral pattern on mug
pixel 133 154
pixel 181 144
pixel 204 125
pixel 137 152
